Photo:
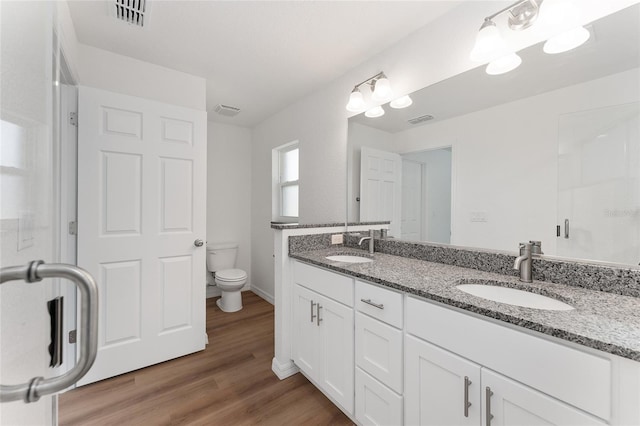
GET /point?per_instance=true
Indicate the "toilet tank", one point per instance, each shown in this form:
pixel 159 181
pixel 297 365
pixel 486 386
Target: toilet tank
pixel 221 256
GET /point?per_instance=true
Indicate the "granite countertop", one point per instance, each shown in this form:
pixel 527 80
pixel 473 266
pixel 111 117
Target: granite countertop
pixel 600 320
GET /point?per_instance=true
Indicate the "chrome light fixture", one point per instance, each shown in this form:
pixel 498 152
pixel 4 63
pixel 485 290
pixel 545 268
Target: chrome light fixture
pixel 380 92
pixel 491 47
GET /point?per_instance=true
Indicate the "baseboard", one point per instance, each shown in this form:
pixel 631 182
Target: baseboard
pixel 283 370
pixel 266 296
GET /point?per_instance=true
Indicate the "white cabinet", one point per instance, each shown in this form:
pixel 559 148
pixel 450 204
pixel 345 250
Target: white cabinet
pixel 376 404
pixel 440 387
pixel 379 355
pixel 323 334
pixel 445 389
pixel 509 403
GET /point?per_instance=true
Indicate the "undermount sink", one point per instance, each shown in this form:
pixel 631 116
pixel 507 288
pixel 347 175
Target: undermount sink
pixel 513 296
pixel 349 258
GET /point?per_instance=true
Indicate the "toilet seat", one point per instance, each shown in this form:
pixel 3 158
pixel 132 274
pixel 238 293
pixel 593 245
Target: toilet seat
pixel 231 275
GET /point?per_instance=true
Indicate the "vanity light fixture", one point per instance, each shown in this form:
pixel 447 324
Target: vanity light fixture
pixel 401 102
pixel 489 42
pixel 380 92
pixel 376 111
pixel 491 47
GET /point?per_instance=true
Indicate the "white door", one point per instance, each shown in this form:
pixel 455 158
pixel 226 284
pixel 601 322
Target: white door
pixel 412 194
pixel 438 385
pixel 336 344
pixel 141 206
pixel 510 403
pixel 380 187
pixel 306 341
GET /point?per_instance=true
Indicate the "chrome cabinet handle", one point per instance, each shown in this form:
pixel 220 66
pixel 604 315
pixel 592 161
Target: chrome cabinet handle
pixel 312 315
pixel 566 228
pixel 375 305
pixel 198 243
pixel 489 416
pixel 318 319
pixel 467 404
pixel 88 328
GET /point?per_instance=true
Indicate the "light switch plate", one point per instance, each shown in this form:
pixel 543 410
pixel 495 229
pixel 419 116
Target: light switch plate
pixel 337 239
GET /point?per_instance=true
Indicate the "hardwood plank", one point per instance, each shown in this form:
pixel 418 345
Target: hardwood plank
pixel 229 383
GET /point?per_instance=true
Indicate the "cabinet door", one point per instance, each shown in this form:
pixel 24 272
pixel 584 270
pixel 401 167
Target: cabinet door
pixel 376 404
pixel 509 403
pixel 436 390
pixel 306 335
pixel 336 345
pixel 379 351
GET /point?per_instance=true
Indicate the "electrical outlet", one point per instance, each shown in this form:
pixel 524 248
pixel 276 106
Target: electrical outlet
pixel 336 239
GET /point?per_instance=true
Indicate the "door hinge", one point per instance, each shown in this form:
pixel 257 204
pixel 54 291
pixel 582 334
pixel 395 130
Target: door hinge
pixel 73 228
pixel 73 336
pixel 73 118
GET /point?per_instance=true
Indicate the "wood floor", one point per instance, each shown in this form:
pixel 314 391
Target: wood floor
pixel 229 383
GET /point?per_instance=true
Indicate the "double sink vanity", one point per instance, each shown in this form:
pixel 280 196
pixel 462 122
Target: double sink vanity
pixel 395 337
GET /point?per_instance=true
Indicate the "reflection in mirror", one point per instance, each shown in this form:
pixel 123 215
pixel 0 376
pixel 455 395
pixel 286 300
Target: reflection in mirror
pixel 554 141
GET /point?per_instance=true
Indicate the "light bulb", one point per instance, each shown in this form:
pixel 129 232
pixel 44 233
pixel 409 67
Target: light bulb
pixel 567 40
pixel 356 101
pixel 489 43
pixel 381 90
pixel 375 112
pixel 401 102
pixel 504 64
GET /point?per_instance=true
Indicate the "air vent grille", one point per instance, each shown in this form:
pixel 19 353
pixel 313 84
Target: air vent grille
pixel 131 11
pixel 229 111
pixel 420 119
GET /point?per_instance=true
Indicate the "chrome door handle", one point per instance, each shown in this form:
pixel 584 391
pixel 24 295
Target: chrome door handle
pixel 198 243
pixel 312 315
pixel 36 271
pixel 488 414
pixel 467 404
pixel 375 305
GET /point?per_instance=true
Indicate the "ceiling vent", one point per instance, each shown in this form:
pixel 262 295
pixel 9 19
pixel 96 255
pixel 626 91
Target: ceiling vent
pixel 226 110
pixel 131 11
pixel 420 119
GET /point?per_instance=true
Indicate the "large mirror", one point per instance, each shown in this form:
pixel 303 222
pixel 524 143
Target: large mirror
pixel 549 151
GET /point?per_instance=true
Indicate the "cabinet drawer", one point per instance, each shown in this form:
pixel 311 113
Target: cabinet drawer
pixel 336 286
pixel 379 351
pixel 375 403
pixel 576 377
pixel 389 303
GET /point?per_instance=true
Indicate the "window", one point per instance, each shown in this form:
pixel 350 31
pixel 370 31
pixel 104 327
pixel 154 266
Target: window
pixel 286 179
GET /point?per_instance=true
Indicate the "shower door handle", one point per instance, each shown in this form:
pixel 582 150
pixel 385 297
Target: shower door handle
pixel 198 243
pixel 33 272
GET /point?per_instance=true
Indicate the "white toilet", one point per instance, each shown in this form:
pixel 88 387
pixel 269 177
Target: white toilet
pixel 221 258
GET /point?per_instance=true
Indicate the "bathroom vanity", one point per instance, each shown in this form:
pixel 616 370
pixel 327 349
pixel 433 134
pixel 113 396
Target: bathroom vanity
pixel 394 341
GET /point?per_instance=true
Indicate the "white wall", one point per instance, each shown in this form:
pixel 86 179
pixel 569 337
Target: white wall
pixel 121 74
pixel 229 182
pixel 319 121
pixel 505 162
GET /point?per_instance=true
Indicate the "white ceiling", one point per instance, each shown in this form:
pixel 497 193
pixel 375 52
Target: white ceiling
pixel 259 56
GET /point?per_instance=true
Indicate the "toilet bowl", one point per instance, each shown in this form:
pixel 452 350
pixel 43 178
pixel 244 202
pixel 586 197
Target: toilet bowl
pixel 221 259
pixel 230 282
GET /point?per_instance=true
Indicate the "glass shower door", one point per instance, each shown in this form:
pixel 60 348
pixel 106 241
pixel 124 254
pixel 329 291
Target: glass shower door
pixel 599 184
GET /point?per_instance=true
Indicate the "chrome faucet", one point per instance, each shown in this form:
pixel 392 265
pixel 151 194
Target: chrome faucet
pixel 523 262
pixel 370 238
